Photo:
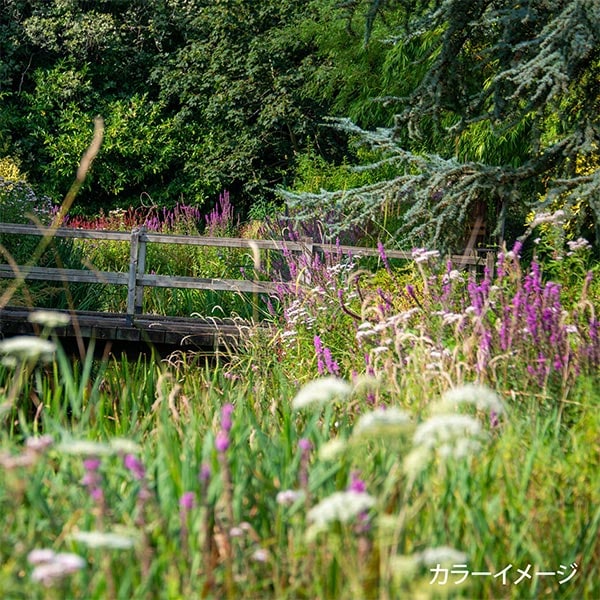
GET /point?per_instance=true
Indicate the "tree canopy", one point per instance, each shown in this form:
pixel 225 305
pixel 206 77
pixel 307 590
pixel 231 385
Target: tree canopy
pixel 197 96
pixel 500 106
pixel 463 106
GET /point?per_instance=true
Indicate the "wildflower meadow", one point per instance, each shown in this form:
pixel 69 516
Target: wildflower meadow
pixel 388 430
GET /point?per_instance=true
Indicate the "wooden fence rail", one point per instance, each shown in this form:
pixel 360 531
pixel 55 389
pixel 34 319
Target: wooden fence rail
pixel 136 279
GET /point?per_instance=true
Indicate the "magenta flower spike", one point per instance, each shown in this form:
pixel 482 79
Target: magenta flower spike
pixel 135 466
pixel 204 475
pixel 187 501
pixel 222 441
pixel 226 422
pixel 356 483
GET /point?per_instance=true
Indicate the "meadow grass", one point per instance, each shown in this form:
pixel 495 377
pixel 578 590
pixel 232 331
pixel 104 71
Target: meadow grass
pixel 390 430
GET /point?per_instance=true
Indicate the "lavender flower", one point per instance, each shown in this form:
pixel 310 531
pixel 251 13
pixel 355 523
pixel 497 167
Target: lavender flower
pixel 92 479
pixel 135 466
pixel 187 501
pixel 305 447
pixel 383 256
pixel 494 421
pixel 356 483
pixel 204 475
pixel 226 422
pixel 330 364
pixel 222 441
pixel 319 352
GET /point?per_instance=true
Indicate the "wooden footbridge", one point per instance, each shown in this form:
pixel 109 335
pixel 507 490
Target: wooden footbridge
pixel 134 331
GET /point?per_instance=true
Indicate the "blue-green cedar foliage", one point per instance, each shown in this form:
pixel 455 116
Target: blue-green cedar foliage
pixel 499 107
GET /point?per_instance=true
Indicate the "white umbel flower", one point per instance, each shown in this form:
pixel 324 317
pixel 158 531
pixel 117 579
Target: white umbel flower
pixel 442 555
pixel 321 391
pixel 340 506
pixel 51 567
pixel 442 429
pixel 49 318
pixel 103 539
pixel 381 422
pixel 480 396
pixel 331 450
pixel 26 348
pixel 85 448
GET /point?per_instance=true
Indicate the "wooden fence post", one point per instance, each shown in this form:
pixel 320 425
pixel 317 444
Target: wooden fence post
pixel 307 254
pixel 470 253
pixel 490 262
pixel 131 282
pixel 141 266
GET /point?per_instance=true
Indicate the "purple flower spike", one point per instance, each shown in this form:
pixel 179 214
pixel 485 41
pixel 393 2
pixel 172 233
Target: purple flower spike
pixel 356 483
pixel 383 255
pixel 226 412
pixel 91 464
pixel 517 248
pixel 222 441
pixel 97 494
pixel 304 444
pixel 187 501
pixel 135 466
pixel 92 479
pixel 494 421
pixel 204 475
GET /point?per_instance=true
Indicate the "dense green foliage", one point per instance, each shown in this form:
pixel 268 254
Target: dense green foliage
pixel 497 109
pixel 485 108
pixel 197 97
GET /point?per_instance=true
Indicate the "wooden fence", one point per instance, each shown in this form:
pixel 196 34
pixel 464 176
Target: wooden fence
pixel 136 279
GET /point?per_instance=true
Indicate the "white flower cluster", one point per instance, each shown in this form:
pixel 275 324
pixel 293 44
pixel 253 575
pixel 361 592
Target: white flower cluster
pixel 453 275
pixel 448 434
pixel 404 567
pixel 480 396
pixel 556 218
pixel 576 245
pixel 49 318
pixel 103 539
pixel 50 566
pixel 118 446
pixel 421 255
pixel 388 421
pixel 298 314
pixel 340 506
pixel 321 391
pixel 26 349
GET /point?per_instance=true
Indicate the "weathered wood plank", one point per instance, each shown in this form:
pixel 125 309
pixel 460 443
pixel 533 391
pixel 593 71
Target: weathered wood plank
pixel 196 240
pixel 64 232
pixel 199 283
pixel 163 238
pixel 209 335
pixel 221 242
pixel 70 275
